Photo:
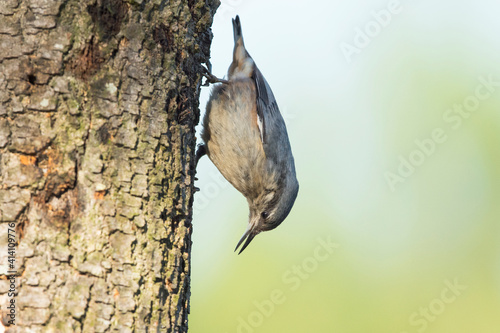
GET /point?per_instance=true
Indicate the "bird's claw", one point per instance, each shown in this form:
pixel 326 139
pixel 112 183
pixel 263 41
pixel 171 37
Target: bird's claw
pixel 211 78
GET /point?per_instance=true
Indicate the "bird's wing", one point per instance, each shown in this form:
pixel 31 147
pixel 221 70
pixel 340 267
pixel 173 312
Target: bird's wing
pixel 266 103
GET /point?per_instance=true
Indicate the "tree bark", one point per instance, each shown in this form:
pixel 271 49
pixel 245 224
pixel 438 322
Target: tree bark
pixel 98 103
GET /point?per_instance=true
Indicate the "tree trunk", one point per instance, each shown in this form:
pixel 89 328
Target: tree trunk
pixel 98 103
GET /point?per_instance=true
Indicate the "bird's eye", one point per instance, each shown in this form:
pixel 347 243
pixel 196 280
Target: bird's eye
pixel 264 215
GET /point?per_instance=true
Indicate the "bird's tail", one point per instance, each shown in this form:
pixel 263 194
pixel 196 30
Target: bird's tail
pixel 237 29
pixel 242 65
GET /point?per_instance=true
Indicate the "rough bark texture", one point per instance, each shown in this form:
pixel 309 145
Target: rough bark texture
pixel 98 103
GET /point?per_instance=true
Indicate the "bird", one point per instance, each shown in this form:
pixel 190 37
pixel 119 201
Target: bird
pixel 245 137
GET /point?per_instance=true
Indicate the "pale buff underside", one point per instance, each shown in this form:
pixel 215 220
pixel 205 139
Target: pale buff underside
pixel 233 138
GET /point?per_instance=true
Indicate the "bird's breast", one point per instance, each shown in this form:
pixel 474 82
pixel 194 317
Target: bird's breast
pixel 234 144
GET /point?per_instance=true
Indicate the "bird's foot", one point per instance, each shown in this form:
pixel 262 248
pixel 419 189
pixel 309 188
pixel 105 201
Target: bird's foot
pixel 211 78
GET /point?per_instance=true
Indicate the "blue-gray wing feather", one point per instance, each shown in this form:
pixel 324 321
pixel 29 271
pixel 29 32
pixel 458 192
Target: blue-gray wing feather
pixel 273 130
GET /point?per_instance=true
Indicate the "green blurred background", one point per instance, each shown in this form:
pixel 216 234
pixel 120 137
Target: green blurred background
pixel 419 252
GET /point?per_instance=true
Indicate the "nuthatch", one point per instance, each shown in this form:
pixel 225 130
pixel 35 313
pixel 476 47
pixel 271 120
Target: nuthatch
pixel 245 137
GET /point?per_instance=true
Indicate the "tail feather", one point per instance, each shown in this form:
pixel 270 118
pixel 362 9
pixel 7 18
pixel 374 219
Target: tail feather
pixel 242 65
pixel 237 28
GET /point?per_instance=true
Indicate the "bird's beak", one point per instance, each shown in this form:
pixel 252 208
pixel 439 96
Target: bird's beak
pixel 248 235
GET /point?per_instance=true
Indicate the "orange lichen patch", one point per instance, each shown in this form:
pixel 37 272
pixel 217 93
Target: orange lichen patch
pixel 50 160
pixel 99 195
pixel 116 293
pixel 27 160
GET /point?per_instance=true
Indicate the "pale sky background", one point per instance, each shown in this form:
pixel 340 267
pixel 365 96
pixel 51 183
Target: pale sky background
pixel 350 123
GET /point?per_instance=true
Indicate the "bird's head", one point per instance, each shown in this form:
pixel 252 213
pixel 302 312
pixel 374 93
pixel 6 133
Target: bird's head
pixel 268 210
